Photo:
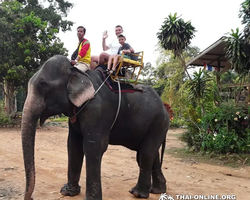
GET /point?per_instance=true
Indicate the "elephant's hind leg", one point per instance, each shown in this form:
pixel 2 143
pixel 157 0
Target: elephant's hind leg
pixel 158 179
pixel 75 160
pixel 145 158
pixel 141 190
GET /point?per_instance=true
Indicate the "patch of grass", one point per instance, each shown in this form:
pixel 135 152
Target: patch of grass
pixel 176 123
pixel 232 160
pixel 177 135
pixel 59 119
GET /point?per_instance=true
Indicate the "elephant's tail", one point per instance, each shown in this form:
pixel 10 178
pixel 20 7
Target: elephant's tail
pixel 163 145
pixel 171 116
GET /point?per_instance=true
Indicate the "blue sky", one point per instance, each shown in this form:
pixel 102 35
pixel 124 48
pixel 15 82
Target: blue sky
pixel 141 20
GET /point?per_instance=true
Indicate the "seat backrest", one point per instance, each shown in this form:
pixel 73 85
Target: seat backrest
pixel 134 56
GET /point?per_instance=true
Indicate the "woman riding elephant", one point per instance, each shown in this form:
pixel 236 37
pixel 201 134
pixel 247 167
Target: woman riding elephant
pixel 141 125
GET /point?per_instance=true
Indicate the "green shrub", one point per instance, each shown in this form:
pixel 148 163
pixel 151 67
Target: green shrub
pixel 4 120
pixel 226 141
pixel 192 138
pixel 228 116
pixel 60 119
pixel 224 129
pixel 176 123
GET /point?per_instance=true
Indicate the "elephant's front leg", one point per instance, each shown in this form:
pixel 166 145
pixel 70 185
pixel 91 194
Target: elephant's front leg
pixel 75 160
pixel 94 147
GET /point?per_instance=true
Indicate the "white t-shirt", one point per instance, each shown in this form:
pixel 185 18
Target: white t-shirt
pixel 114 46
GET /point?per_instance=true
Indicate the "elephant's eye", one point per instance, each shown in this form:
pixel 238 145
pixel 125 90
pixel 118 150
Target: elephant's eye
pixel 43 85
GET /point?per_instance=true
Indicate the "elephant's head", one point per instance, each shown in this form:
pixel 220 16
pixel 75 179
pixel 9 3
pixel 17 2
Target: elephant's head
pixel 54 89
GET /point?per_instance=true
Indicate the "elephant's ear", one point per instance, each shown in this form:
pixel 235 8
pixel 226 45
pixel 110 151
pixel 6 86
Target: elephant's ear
pixel 80 89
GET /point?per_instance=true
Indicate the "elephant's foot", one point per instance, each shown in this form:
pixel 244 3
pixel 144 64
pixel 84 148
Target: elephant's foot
pixel 70 191
pixel 91 198
pixel 138 193
pixel 158 189
pixel 159 183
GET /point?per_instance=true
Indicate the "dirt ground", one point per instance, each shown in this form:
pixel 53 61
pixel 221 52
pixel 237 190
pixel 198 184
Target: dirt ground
pixel 119 170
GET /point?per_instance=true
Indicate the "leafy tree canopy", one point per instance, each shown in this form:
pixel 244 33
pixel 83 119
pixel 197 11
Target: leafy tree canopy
pixel 245 18
pixel 29 36
pixel 169 72
pixel 175 34
pixel 238 43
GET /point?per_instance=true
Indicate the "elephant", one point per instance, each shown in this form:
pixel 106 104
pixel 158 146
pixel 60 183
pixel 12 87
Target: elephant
pixel 140 125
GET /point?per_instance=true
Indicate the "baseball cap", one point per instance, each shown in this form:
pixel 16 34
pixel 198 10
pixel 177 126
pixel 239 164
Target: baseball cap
pixel 121 35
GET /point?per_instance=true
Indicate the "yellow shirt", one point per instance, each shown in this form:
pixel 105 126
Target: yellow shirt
pixel 84 52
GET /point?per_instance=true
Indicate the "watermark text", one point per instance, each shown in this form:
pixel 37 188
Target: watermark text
pixel 205 197
pixel 165 196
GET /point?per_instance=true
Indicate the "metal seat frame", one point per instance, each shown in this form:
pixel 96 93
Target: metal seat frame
pixel 129 65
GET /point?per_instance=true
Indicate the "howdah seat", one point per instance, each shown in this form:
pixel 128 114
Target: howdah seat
pixel 128 70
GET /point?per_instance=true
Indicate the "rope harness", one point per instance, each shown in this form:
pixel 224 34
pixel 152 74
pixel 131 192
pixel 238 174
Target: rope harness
pixel 73 118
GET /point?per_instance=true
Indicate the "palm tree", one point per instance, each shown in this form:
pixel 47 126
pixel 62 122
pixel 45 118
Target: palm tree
pixel 245 15
pixel 235 51
pixel 238 44
pixel 175 35
pixel 199 89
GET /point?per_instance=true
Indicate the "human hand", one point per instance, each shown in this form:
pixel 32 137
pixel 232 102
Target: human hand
pixel 105 34
pixel 73 62
pixel 126 51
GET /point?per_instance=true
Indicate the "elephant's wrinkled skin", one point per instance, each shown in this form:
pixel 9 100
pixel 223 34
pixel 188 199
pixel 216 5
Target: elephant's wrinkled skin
pixel 141 125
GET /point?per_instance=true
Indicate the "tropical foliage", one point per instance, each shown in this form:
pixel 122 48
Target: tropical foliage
pixel 199 90
pixel 238 44
pixel 223 129
pixel 28 38
pixel 148 74
pixel 235 51
pixel 175 34
pixel 245 16
pixel 214 123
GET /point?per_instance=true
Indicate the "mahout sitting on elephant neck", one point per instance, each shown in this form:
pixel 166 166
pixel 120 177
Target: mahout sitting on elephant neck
pixel 141 125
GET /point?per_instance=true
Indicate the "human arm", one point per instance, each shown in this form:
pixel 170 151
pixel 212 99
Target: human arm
pixel 131 50
pixel 84 48
pixel 73 62
pixel 128 48
pixel 104 37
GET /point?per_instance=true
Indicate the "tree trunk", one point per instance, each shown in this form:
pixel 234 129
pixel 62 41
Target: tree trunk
pixel 9 98
pixel 183 62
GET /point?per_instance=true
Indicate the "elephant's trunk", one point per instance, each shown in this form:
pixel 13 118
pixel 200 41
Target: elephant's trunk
pixel 31 112
pixel 28 139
